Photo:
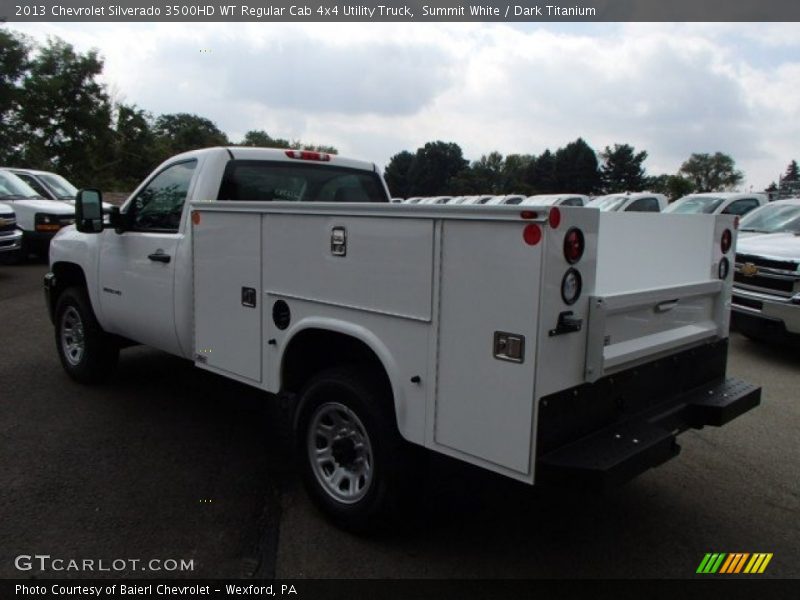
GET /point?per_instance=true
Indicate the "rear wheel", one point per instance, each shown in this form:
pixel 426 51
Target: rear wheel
pixel 353 459
pixel 87 353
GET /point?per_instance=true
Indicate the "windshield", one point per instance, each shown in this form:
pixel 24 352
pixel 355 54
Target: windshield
pixel 608 203
pixel 59 185
pixel 773 218
pixel 12 187
pixel 695 205
pixel 541 200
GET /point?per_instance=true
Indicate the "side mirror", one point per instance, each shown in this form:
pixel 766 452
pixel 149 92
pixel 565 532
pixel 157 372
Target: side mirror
pixel 89 211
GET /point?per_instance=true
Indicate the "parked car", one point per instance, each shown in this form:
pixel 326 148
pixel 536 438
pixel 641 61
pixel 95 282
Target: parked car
pixel 717 203
pixel 638 202
pixel 513 199
pixel 478 199
pixel 766 279
pixel 51 186
pixel 39 219
pixel 557 200
pixel 10 236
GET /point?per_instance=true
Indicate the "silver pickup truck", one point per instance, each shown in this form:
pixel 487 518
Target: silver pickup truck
pixel 766 288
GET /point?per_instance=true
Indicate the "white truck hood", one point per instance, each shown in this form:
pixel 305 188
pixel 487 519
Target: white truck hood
pixel 5 209
pixel 51 207
pixel 774 245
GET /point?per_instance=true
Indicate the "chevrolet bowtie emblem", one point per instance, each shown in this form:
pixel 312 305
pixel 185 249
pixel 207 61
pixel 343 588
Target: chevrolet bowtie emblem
pixel 749 270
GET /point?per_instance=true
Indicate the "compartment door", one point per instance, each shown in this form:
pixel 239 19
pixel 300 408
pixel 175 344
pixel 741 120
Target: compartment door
pixel 227 293
pixel 489 287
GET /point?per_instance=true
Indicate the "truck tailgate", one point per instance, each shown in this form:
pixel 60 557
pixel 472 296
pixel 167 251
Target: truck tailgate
pixel 628 328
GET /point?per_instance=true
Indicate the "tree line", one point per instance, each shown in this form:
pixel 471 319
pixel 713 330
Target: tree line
pixel 55 115
pixel 439 168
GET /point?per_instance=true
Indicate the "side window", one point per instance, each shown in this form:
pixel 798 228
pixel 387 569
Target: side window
pixel 159 205
pixel 740 207
pixel 573 202
pixel 31 181
pixel 643 205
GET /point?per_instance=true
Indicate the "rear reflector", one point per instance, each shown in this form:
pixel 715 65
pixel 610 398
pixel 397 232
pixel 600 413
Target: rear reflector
pixel 573 245
pixel 725 242
pixel 308 155
pixel 554 218
pixel 195 217
pixel 532 234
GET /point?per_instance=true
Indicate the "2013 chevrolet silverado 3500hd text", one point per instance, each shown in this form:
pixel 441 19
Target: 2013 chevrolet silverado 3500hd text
pixel 550 344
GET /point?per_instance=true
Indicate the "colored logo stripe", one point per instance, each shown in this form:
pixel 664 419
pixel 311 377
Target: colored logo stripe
pixel 734 563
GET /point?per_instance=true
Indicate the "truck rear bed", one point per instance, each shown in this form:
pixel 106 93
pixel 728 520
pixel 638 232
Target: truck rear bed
pixel 464 307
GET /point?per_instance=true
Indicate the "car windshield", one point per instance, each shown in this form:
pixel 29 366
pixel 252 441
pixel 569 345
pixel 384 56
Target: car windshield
pixel 61 187
pixel 773 218
pixel 695 205
pixel 608 203
pixel 12 187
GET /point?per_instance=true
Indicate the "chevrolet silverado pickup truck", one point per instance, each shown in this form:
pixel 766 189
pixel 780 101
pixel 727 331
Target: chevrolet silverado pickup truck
pixel 10 236
pixel 550 345
pixel 766 288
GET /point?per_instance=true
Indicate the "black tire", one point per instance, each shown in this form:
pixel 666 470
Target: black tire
pixel 87 353
pixel 360 401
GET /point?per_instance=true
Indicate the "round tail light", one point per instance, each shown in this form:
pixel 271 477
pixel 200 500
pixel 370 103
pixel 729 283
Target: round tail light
pixel 725 243
pixel 571 286
pixel 532 234
pixel 573 245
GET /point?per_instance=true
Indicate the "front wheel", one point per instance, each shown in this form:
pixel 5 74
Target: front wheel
pixel 353 460
pixel 87 353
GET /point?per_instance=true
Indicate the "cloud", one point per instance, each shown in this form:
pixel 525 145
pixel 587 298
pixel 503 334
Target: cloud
pixel 374 89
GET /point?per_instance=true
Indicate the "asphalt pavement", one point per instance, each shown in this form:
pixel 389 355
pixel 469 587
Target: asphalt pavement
pixel 165 461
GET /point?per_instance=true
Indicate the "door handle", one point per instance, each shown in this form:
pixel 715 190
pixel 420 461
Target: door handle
pixel 665 306
pixel 159 256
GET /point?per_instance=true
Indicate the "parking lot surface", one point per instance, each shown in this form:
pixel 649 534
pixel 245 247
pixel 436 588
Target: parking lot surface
pixel 165 461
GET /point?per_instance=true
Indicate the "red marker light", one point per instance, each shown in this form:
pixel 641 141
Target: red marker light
pixel 195 217
pixel 528 214
pixel 308 155
pixel 554 218
pixel 532 234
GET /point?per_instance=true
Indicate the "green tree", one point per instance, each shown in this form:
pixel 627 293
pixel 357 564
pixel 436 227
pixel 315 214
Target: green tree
pixel 434 166
pixel 66 116
pixel 396 174
pixel 515 168
pixel 487 173
pixel 541 174
pixel 792 172
pixel 134 146
pixel 576 168
pixel 262 139
pixel 622 169
pixel 181 132
pixel 711 172
pixel 673 186
pixel 14 65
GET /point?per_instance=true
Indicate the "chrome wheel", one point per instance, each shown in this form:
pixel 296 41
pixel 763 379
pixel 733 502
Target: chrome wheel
pixel 340 453
pixel 73 342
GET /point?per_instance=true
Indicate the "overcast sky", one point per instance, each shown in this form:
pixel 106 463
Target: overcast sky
pixel 374 89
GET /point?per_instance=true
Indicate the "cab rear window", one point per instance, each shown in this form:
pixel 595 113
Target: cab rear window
pixel 285 182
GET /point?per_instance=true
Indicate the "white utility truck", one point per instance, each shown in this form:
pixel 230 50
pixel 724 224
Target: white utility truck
pixel 548 345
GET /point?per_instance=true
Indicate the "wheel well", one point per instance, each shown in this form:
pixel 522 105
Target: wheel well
pixel 67 275
pixel 314 350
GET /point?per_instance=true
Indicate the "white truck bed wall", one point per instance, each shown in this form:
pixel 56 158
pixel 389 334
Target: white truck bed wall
pixel 427 289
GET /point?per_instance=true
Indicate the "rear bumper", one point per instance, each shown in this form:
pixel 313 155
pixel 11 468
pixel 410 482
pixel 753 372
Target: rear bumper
pixel 603 434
